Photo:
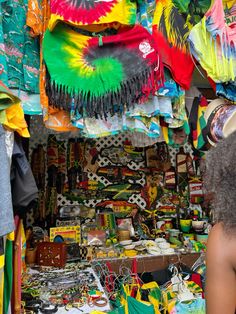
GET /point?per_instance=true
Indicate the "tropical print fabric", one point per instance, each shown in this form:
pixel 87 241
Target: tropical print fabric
pixel 142 118
pixel 90 12
pixel 98 75
pixel 19 51
pixel 145 14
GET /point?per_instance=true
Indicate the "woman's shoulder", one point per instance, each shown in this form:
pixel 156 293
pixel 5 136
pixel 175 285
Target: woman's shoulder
pixel 222 244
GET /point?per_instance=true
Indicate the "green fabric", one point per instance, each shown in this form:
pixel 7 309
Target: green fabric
pixel 3 116
pixel 8 276
pixel 136 307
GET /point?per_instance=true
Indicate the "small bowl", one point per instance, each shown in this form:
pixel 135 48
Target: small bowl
pixel 136 243
pixel 160 240
pixel 126 242
pixel 168 251
pixel 130 253
pixel 129 247
pixel 149 243
pixel 154 251
pixel 164 245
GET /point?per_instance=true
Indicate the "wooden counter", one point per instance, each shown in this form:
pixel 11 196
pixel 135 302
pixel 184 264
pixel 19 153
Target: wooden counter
pixel 152 263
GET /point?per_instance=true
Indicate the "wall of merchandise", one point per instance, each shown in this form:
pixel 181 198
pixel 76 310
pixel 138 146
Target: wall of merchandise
pixel 128 187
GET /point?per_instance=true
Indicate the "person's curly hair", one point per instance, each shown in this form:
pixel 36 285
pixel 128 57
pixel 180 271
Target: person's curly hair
pixel 220 181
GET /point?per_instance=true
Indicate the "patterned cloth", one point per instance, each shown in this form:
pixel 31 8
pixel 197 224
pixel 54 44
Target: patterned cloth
pixel 170 31
pixel 145 14
pixel 11 112
pixel 29 102
pixel 19 52
pixel 89 12
pixel 98 75
pixel 213 42
pixel 173 20
pixel 226 90
pixel 6 210
pixel 142 118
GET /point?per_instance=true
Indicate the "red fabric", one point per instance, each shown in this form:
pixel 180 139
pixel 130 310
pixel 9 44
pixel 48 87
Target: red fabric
pixel 197 279
pixel 179 63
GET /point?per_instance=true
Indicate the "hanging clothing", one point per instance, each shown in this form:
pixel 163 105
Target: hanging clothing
pixel 97 74
pixel 226 90
pixel 29 102
pixel 92 12
pixel 142 118
pixel 170 30
pixel 24 189
pixel 19 51
pixel 6 209
pixel 145 13
pixel 213 41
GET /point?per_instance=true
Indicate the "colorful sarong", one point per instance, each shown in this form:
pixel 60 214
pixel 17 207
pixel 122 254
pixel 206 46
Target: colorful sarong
pixel 100 75
pixel 89 12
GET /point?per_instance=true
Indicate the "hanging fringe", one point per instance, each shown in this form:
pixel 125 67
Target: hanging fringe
pixel 133 90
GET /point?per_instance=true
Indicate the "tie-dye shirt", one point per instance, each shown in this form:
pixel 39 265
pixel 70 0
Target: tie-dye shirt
pixel 213 41
pixel 19 52
pixel 90 12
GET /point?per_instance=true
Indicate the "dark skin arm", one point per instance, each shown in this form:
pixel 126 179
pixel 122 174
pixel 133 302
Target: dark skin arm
pixel 221 280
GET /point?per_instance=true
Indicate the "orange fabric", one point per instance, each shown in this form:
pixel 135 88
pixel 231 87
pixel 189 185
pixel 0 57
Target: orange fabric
pixel 59 120
pixel 37 19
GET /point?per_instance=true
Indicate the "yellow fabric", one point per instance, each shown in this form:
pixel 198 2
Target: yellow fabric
pixel 153 301
pixel 2 262
pixel 210 56
pixel 16 120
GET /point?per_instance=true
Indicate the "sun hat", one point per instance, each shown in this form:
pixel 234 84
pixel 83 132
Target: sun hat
pixel 220 117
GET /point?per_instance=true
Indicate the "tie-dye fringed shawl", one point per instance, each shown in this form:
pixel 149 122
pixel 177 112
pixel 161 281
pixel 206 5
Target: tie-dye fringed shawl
pixel 88 12
pixel 100 74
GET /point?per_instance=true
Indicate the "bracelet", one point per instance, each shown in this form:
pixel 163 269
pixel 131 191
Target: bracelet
pixel 33 305
pixel 100 302
pixel 45 308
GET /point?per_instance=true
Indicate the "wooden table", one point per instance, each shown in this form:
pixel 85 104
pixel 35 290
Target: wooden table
pixel 152 263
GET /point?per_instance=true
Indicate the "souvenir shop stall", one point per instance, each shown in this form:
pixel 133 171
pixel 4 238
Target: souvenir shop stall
pixel 107 110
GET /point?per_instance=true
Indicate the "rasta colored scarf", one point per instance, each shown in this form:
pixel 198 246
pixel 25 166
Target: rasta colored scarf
pixel 87 12
pixel 100 75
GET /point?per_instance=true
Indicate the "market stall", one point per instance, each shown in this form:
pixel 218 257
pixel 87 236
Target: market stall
pixel 104 129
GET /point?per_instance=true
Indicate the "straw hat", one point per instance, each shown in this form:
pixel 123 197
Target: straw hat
pixel 220 117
